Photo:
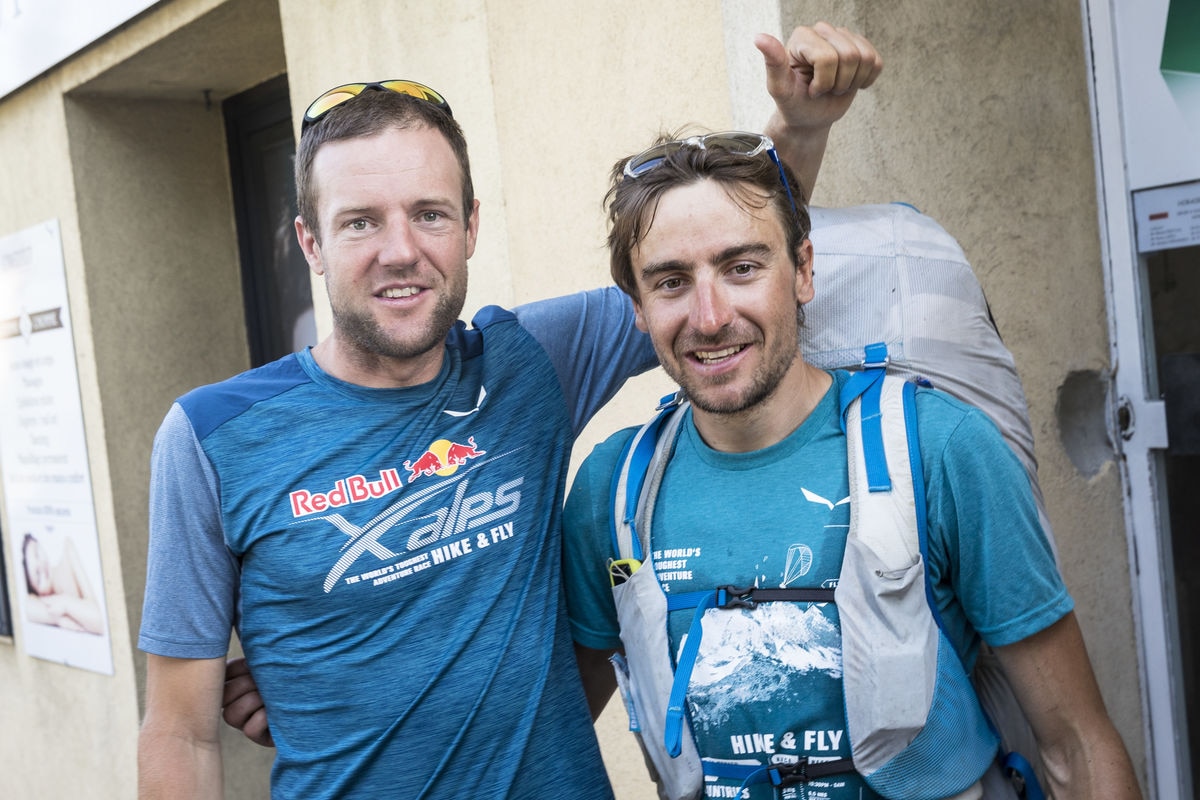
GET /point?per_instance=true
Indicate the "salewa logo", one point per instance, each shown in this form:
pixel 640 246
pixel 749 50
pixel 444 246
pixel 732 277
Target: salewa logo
pixel 813 497
pixel 478 405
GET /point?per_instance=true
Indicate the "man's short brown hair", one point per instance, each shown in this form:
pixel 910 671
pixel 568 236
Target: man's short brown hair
pixel 370 113
pixel 752 181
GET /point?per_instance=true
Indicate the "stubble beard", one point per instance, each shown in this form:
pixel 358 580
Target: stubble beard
pixel 763 383
pixel 369 337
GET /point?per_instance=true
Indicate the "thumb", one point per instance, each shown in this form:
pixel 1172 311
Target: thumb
pixel 777 62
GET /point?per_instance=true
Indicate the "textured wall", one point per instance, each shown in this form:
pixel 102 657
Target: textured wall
pixel 981 120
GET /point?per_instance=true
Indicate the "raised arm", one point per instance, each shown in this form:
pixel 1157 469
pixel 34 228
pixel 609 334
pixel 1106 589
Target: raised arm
pixel 1053 681
pixel 179 749
pixel 813 81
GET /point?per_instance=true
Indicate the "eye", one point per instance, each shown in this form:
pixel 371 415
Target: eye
pixel 431 216
pixel 670 284
pixel 743 269
pixel 358 225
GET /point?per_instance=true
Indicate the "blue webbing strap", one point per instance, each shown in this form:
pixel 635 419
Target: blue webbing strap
pixel 673 733
pixel 1017 763
pixel 1013 763
pixel 801 771
pixel 869 385
pixel 724 597
pixel 636 464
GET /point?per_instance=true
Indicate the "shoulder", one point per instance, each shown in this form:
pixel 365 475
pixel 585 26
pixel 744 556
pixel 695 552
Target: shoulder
pixel 207 407
pixel 604 460
pixel 945 421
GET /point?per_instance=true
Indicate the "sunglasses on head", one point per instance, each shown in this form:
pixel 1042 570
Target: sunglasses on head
pixel 735 142
pixel 340 94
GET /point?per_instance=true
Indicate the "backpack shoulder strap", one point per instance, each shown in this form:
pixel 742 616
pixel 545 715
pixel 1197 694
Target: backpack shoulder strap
pixel 883 458
pixel 638 475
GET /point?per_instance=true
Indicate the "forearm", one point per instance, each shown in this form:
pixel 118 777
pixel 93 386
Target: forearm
pixel 802 149
pixel 86 614
pixel 179 749
pixel 1052 677
pixel 173 765
pixel 1092 764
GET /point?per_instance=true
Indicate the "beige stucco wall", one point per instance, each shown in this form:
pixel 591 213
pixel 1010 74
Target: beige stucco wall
pixel 550 93
pixel 982 121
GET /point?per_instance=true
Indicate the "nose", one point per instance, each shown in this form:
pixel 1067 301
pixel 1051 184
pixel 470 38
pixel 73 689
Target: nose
pixel 398 246
pixel 710 309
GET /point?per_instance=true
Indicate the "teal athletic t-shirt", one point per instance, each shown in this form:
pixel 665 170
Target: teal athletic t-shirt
pixel 767 682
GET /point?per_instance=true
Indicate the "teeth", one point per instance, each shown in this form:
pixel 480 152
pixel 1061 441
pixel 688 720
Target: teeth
pixel 716 355
pixel 407 291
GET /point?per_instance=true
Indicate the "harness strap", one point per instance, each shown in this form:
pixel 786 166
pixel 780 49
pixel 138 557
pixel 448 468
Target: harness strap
pixel 868 385
pixel 628 483
pixel 801 771
pixel 1021 773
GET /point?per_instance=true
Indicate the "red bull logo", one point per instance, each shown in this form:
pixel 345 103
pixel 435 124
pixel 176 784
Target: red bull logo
pixel 353 489
pixel 443 457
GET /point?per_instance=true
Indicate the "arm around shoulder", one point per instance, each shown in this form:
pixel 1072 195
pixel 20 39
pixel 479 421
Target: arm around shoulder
pixel 1053 680
pixel 179 750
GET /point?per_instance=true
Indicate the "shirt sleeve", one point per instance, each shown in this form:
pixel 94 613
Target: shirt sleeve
pixel 593 344
pixel 587 548
pixel 190 605
pixel 991 564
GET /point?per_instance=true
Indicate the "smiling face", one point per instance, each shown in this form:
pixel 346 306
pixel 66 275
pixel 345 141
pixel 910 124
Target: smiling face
pixel 718 294
pixel 392 245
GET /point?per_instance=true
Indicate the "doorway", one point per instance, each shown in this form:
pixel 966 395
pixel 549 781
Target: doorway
pixel 1173 280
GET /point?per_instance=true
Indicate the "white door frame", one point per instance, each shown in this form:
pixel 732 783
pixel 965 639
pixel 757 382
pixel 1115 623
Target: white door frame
pixel 1140 425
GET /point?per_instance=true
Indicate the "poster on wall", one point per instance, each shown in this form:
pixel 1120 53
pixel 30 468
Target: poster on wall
pixel 1158 58
pixel 50 521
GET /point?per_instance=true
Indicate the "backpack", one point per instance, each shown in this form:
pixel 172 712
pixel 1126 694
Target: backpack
pixel 889 275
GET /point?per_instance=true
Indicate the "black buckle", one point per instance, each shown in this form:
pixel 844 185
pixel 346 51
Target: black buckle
pixel 735 597
pixel 790 774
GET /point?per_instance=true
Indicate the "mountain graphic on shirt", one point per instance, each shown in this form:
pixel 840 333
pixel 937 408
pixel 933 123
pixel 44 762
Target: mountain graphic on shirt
pixel 761 655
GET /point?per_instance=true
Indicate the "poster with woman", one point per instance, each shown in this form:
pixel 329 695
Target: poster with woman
pixel 50 532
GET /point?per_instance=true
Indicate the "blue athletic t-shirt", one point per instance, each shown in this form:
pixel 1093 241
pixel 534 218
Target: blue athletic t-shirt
pixel 391 557
pixel 767 683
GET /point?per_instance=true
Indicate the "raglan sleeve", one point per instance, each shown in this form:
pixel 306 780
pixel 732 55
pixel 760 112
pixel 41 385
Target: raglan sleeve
pixel 587 548
pixel 593 344
pixel 190 604
pixel 987 544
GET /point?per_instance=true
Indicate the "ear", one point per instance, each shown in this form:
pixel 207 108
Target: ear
pixel 639 319
pixel 804 272
pixel 472 228
pixel 310 247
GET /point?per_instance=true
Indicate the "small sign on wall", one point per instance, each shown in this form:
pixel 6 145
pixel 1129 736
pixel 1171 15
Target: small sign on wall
pixel 50 520
pixel 1167 217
